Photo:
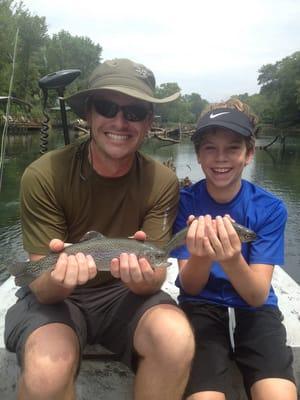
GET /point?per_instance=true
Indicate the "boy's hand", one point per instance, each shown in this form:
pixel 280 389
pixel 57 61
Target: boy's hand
pixel 213 238
pixel 224 243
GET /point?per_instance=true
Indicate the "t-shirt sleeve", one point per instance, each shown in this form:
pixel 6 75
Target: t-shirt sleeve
pixel 184 211
pixel 159 218
pixel 42 217
pixel 269 247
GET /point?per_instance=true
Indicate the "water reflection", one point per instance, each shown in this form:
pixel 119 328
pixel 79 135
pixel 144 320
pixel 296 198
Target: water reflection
pixel 274 169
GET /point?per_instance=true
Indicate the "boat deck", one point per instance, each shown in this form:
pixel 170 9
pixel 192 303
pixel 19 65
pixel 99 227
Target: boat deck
pixel 102 377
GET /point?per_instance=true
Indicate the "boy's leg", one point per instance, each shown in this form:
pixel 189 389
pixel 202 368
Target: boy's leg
pixel 275 389
pixel 263 356
pixel 209 378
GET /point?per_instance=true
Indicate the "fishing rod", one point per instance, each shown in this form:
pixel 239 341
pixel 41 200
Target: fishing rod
pixel 5 129
pixel 57 81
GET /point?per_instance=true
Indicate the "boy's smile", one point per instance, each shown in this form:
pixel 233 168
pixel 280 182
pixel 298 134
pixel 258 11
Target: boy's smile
pixel 223 155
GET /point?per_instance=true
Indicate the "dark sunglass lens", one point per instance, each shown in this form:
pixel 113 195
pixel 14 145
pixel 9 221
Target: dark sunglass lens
pixel 106 108
pixel 134 113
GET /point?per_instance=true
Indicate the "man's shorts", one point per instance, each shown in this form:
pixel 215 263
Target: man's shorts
pixel 106 315
pixel 259 350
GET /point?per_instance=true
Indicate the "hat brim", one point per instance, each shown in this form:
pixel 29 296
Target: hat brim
pixel 231 126
pixel 78 100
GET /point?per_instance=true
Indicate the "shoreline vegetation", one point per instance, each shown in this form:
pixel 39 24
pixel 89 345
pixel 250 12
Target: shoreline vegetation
pixel 38 53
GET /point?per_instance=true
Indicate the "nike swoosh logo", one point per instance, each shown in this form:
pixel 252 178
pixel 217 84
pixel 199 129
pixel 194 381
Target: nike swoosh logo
pixel 212 116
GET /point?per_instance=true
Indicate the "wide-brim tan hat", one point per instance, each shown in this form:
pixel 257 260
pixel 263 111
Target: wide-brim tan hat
pixel 120 75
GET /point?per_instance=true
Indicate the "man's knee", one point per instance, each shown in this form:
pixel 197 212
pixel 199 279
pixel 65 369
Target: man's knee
pixel 165 332
pixel 50 359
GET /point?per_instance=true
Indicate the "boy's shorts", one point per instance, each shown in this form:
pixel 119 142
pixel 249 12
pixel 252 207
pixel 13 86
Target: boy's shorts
pixel 106 315
pixel 260 349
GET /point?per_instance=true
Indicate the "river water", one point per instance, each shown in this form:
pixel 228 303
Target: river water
pixel 276 169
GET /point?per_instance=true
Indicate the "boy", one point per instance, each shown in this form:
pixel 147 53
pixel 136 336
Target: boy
pixel 219 275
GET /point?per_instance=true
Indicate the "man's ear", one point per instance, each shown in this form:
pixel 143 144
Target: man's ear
pixel 198 157
pixel 149 121
pixel 88 118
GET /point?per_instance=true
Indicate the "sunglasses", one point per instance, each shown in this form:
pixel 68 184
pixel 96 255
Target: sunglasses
pixel 109 109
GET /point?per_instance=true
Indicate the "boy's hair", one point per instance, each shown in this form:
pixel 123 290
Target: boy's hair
pixel 235 104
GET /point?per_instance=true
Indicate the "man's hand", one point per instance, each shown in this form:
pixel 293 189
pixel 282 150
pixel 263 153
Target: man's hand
pixel 71 270
pixel 129 268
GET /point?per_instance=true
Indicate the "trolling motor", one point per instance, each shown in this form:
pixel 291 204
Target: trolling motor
pixel 58 81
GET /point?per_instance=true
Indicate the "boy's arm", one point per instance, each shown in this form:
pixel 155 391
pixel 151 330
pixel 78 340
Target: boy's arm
pixel 252 282
pixel 194 273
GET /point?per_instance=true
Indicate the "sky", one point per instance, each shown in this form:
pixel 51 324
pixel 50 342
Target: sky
pixel 211 47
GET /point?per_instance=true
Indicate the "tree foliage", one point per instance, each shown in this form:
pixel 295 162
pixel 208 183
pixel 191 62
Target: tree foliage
pixel 277 103
pixel 37 53
pixel 184 110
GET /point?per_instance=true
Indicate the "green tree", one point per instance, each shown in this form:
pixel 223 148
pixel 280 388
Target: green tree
pixel 7 39
pixel 32 38
pixel 195 105
pixel 279 85
pixel 65 51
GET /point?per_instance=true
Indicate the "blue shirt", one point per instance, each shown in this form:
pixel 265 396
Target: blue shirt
pixel 252 207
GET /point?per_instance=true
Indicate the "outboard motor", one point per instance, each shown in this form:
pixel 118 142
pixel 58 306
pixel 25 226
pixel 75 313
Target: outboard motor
pixel 58 81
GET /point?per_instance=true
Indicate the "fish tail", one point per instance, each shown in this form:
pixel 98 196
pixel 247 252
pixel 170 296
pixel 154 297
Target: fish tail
pixel 177 240
pixel 17 267
pixel 20 271
pixel 23 279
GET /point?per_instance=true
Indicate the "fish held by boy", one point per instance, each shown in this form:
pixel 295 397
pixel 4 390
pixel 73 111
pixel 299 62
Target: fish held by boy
pixel 104 249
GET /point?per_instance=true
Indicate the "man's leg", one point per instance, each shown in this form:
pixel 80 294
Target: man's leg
pixel 49 364
pixel 165 343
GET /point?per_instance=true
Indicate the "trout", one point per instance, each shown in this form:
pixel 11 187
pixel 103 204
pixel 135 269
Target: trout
pixel 104 249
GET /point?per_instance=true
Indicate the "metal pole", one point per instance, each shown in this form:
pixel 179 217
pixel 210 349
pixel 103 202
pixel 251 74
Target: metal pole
pixel 63 115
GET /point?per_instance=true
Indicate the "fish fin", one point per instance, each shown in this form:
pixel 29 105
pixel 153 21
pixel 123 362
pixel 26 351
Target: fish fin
pixel 91 235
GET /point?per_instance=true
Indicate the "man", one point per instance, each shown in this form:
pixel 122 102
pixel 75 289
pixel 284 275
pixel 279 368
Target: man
pixel 106 185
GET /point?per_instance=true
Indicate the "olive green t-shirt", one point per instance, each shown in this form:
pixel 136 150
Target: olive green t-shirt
pixel 63 197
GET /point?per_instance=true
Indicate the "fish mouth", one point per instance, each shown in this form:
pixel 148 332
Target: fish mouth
pixel 163 264
pixel 249 238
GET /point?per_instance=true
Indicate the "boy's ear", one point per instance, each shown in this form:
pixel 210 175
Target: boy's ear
pixel 249 156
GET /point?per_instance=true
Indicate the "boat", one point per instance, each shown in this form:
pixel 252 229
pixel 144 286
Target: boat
pixel 102 377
